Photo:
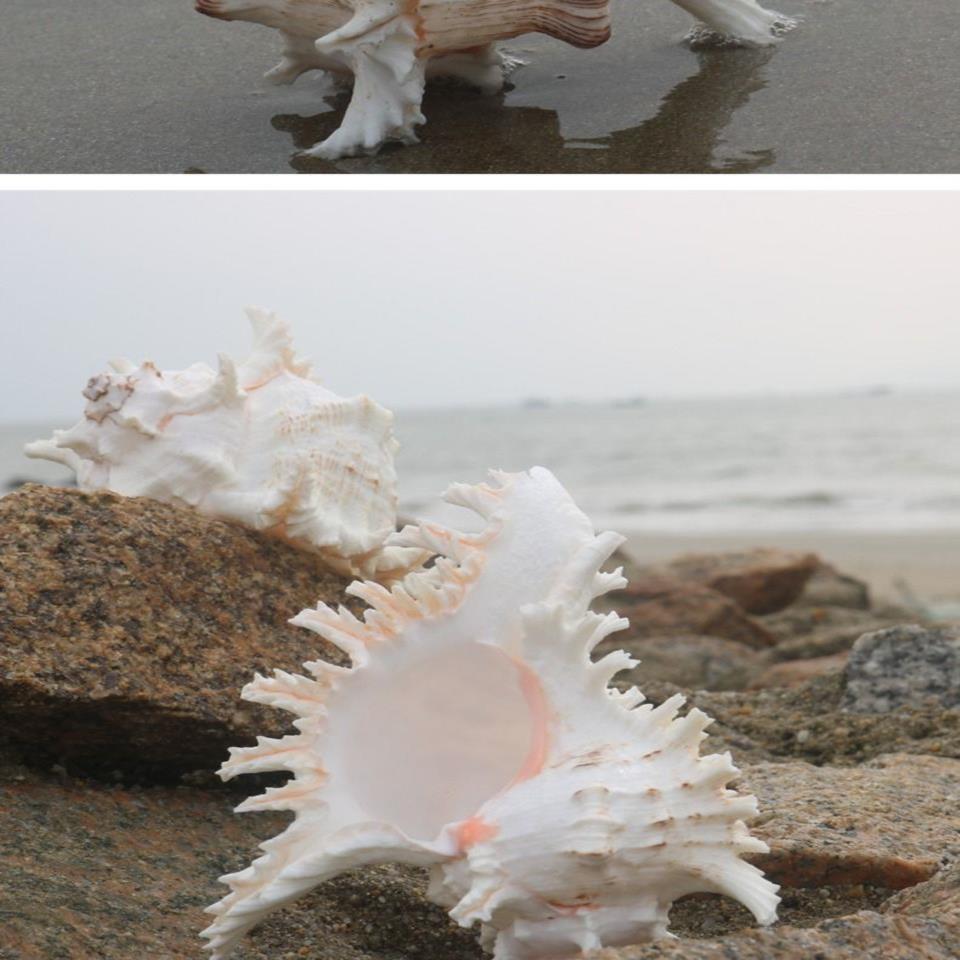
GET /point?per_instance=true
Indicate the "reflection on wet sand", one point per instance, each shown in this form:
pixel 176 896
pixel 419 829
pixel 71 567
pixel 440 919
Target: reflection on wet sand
pixel 469 132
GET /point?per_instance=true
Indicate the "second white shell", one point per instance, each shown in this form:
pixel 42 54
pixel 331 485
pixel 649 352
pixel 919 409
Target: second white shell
pixel 474 734
pixel 259 442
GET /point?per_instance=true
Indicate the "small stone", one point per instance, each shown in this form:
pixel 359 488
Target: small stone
pixel 903 666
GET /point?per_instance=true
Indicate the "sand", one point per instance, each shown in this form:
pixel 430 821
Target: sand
pixel 927 563
pixel 137 86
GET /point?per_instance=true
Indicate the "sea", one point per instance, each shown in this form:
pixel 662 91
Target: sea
pixel 873 461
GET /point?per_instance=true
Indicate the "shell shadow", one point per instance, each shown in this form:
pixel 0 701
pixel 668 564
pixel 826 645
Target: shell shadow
pixel 470 132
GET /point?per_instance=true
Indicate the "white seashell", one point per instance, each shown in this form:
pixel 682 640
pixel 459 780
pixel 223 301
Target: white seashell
pixel 474 734
pixel 260 442
pixel 391 46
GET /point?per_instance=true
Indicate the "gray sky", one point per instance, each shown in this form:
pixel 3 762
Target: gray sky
pixel 434 299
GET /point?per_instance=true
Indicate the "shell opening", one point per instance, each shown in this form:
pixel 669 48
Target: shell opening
pixel 426 741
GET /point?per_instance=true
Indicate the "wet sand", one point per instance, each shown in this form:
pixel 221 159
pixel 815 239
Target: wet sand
pixel 928 562
pixel 131 86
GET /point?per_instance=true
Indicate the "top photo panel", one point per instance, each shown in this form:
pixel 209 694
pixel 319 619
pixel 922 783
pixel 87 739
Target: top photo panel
pixel 480 86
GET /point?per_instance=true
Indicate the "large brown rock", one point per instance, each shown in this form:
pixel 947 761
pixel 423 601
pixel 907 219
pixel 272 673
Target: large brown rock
pixel 661 606
pixel 128 627
pixel 890 823
pixel 760 581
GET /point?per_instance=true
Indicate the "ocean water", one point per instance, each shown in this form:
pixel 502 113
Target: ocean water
pixel 884 462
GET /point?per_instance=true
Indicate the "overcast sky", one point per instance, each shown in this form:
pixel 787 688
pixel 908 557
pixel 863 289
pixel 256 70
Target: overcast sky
pixel 436 299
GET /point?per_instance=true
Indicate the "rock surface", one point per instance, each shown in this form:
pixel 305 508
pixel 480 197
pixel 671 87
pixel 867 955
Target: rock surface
pixel 128 627
pixel 861 935
pixel 759 581
pixel 903 665
pixel 92 870
pixel 891 823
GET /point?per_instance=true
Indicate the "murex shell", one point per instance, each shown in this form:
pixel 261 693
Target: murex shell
pixel 260 442
pixel 392 46
pixel 473 734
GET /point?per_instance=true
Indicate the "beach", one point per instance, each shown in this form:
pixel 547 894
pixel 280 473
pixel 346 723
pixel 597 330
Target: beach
pixel 139 87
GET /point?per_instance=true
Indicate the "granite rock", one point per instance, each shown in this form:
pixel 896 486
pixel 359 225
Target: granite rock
pixel 903 665
pixel 107 872
pixel 128 627
pixel 892 822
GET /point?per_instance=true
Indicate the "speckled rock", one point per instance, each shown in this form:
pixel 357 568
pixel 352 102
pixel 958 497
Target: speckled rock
pixel 696 662
pixel 128 627
pixel 892 822
pixel 93 871
pixel 791 673
pixel 830 588
pixel 664 606
pixel 903 665
pixel 760 581
pixel 118 873
pixel 862 935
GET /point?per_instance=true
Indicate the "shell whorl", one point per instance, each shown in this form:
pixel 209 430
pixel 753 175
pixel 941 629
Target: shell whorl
pixel 555 812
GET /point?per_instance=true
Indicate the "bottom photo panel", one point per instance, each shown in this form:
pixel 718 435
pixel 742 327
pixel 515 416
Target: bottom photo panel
pixel 450 575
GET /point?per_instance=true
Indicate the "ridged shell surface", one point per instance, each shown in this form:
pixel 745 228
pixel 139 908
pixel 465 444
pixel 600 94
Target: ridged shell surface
pixel 259 442
pixel 475 735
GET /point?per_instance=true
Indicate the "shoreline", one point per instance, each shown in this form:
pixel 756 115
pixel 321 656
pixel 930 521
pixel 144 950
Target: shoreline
pixel 927 562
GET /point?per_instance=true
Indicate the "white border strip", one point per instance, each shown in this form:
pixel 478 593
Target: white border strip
pixel 466 181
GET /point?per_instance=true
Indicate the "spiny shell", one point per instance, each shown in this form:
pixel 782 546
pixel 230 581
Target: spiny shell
pixel 391 47
pixel 474 734
pixel 260 442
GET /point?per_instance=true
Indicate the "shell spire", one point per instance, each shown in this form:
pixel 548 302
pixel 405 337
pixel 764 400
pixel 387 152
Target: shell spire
pixel 259 442
pixel 474 734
